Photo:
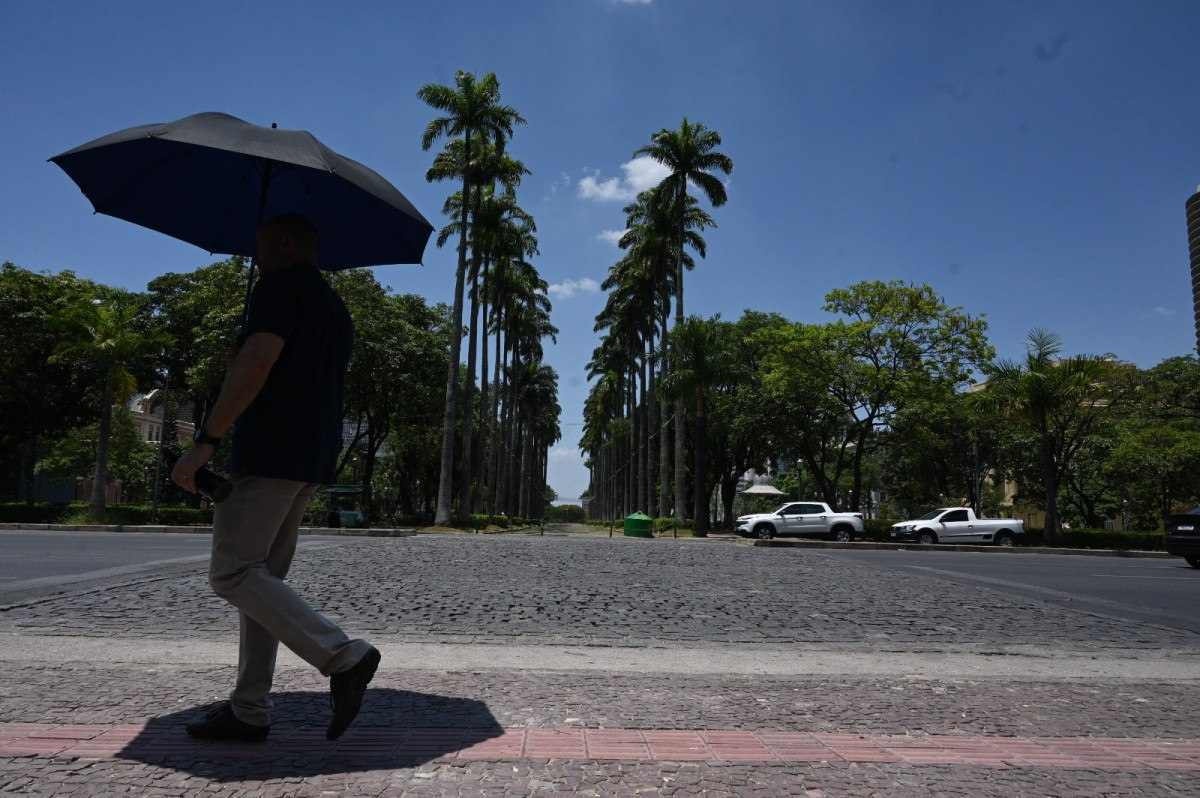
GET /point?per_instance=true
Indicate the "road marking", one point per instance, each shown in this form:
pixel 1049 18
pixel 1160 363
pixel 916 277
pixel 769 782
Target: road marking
pixel 1135 576
pixel 876 659
pixel 122 570
pixel 1119 610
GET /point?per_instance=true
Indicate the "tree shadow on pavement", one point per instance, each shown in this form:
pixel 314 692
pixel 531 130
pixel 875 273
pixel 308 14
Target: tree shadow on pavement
pixel 395 729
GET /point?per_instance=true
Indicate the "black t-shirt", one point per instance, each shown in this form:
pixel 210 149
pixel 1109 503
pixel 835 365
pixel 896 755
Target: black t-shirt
pixel 293 428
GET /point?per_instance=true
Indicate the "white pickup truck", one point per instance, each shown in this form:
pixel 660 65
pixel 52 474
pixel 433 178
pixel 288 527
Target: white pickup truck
pixel 959 525
pixel 802 518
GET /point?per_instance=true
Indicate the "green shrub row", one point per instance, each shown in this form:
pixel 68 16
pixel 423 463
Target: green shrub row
pixel 1098 539
pixel 565 513
pixel 123 514
pixel 483 520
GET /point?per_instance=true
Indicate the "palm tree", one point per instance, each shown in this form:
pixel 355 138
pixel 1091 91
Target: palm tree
pixel 473 112
pixel 701 360
pixel 652 241
pixel 107 335
pixel 691 156
pixel 1060 399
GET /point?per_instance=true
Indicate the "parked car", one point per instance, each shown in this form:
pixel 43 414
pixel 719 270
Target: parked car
pixel 1183 536
pixel 959 525
pixel 806 519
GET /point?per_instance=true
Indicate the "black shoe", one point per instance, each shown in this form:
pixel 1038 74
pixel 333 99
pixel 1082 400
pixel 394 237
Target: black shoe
pixel 222 724
pixel 346 691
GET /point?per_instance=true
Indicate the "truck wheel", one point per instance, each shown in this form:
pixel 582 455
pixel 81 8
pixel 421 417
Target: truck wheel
pixel 843 534
pixel 926 537
pixel 1193 560
pixel 1003 538
pixel 764 531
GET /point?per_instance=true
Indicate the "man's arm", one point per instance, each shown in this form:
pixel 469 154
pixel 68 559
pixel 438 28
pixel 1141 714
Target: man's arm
pixel 245 378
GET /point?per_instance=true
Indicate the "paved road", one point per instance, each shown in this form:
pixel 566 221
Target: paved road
pixel 1156 591
pixel 34 563
pixel 33 555
pixel 573 590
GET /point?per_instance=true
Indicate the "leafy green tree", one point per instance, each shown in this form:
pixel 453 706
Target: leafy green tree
pixel 131 458
pixel 700 359
pixel 1152 461
pixel 198 313
pixel 944 446
pixel 111 333
pixel 473 112
pixel 40 395
pixel 1061 401
pixel 740 423
pixel 397 348
pixel 690 153
pixel 845 382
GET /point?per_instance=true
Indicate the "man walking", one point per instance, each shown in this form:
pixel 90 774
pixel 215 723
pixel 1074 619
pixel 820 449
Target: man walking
pixel 284 389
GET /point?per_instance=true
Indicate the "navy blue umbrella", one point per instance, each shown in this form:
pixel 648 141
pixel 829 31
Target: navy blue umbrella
pixel 210 178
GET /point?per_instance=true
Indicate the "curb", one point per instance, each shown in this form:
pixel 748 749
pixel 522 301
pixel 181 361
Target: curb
pixel 202 530
pixel 775 543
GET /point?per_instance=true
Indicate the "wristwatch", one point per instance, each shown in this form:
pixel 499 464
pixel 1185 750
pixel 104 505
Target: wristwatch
pixel 202 437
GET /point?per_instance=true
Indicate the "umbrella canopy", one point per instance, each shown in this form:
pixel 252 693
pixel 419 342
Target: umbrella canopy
pixel 209 179
pixel 763 490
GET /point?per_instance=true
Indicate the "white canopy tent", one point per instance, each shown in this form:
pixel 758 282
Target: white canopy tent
pixel 763 490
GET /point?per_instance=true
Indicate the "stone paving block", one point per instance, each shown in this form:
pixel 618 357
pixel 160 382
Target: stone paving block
pixel 581 595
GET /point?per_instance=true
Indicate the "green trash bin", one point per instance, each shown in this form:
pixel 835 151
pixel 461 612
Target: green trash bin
pixel 639 525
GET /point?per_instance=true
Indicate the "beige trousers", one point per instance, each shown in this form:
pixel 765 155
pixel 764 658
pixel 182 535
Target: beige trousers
pixel 254 539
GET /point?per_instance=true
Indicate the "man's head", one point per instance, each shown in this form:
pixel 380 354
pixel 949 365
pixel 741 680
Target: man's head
pixel 286 241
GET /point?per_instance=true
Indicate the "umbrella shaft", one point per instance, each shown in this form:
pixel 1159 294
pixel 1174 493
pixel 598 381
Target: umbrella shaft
pixel 262 204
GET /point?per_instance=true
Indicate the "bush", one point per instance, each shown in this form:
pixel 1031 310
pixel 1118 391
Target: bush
pixel 22 513
pixel 1098 539
pixel 122 514
pixel 140 515
pixel 566 513
pixel 877 529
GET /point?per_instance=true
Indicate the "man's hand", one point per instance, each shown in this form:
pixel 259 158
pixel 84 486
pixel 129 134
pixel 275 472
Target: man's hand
pixel 184 473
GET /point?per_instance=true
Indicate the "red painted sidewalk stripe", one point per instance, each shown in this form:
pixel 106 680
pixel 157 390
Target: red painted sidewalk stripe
pixel 151 742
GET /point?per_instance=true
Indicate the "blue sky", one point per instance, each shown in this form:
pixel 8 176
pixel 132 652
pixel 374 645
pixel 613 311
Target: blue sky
pixel 1030 160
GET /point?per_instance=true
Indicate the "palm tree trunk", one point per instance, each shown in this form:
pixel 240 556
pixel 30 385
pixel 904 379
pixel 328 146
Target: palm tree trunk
pixel 680 414
pixel 680 410
pixel 664 436
pixel 100 478
pixel 651 425
pixel 1050 477
pixel 501 409
pixel 484 406
pixel 526 476
pixel 699 482
pixel 643 439
pixel 446 475
pixel 468 423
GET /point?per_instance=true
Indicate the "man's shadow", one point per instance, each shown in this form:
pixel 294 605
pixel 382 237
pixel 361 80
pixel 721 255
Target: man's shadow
pixel 395 729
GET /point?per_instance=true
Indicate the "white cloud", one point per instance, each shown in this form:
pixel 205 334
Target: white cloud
pixel 569 288
pixel 562 452
pixel 558 184
pixel 1161 311
pixel 611 236
pixel 641 173
pixel 634 2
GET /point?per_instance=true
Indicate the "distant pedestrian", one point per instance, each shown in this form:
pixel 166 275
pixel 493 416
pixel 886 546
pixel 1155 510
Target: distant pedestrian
pixel 284 389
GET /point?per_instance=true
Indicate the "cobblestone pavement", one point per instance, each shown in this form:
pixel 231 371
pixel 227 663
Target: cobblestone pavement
pixel 45 776
pixel 578 591
pixel 604 591
pixel 85 694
